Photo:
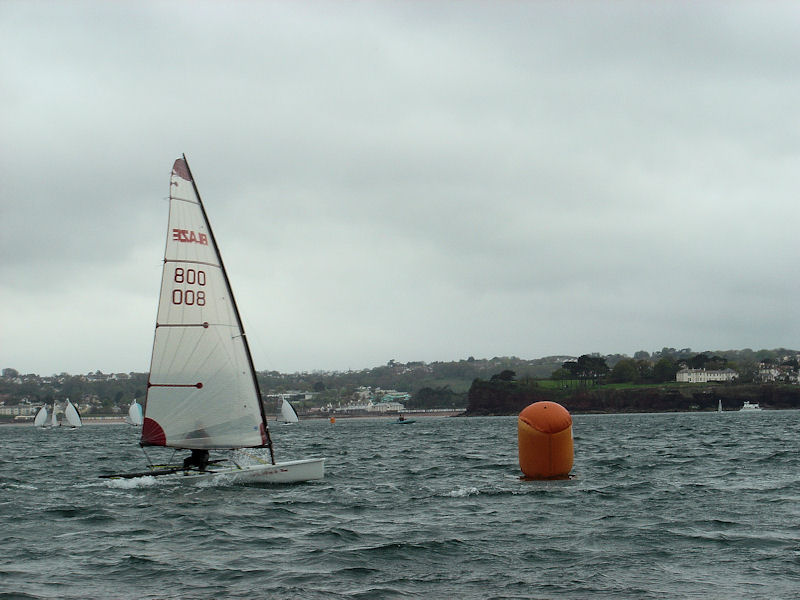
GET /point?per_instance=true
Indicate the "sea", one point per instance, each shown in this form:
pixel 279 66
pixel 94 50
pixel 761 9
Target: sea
pixel 679 505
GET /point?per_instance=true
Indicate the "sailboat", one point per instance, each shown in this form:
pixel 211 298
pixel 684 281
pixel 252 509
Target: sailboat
pixel 719 405
pixel 54 418
pixel 40 420
pixel 202 392
pixel 288 414
pixel 72 415
pixel 135 414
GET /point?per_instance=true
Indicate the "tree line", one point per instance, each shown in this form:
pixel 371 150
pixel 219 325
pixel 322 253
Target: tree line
pixel 431 385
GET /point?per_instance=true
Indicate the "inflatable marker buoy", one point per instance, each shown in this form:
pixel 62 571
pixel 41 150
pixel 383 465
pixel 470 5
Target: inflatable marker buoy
pixel 544 431
pixel 333 420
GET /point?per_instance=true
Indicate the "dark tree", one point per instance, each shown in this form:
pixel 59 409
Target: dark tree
pixel 506 375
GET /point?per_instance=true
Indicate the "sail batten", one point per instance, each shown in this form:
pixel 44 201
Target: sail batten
pixel 202 391
pixel 193 262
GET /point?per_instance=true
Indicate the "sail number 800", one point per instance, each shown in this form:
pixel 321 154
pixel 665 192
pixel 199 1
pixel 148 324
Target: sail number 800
pixel 190 277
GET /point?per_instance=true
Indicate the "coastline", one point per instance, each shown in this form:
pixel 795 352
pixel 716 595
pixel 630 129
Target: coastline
pixel 84 420
pixel 272 418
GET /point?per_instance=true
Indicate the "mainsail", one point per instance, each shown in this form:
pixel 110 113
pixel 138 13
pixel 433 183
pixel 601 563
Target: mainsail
pixel 54 419
pixel 71 415
pixel 41 417
pixel 288 413
pixel 202 392
pixel 135 413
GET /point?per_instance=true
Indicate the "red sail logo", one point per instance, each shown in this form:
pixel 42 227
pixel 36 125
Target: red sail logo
pixel 184 235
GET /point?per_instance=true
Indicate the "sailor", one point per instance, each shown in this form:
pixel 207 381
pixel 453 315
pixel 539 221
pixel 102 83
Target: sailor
pixel 197 460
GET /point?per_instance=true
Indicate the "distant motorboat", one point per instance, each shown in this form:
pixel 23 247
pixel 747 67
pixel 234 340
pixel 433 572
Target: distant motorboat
pixel 750 406
pixel 403 421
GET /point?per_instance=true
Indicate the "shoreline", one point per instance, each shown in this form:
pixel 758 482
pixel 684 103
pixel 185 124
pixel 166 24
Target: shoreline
pixel 271 419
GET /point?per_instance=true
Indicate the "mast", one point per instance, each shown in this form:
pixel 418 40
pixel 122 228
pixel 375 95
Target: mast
pixel 236 312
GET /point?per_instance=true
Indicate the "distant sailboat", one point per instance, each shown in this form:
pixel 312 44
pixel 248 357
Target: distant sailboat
pixel 202 391
pixel 719 406
pixel 40 420
pixel 54 418
pixel 288 414
pixel 72 415
pixel 135 415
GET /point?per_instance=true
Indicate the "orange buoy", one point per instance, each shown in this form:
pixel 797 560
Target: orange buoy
pixel 333 420
pixel 544 431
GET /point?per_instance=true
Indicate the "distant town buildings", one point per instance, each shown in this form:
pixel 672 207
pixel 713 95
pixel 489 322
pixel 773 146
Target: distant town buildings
pixel 767 373
pixel 365 399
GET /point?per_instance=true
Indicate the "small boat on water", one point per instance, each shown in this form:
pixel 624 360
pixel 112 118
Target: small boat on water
pixel 202 391
pixel 135 416
pixel 288 414
pixel 750 406
pixel 72 415
pixel 401 420
pixel 41 418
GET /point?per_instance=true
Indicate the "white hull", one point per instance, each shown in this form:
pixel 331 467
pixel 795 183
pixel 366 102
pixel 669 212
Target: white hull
pixel 287 472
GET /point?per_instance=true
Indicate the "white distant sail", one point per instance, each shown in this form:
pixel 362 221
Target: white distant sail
pixel 54 418
pixel 40 420
pixel 71 415
pixel 135 413
pixel 288 414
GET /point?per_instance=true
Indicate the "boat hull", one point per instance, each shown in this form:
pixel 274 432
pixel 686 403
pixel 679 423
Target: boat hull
pixel 294 471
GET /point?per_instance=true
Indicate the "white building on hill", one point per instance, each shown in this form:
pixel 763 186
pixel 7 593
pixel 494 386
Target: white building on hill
pixel 703 376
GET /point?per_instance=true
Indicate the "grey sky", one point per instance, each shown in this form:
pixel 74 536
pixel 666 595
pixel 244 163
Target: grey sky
pixel 409 181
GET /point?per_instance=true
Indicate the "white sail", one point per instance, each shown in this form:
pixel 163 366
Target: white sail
pixel 54 418
pixel 71 415
pixel 40 420
pixel 288 414
pixel 135 413
pixel 202 390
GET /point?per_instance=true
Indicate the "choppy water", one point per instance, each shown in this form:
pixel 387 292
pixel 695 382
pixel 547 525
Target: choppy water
pixel 661 506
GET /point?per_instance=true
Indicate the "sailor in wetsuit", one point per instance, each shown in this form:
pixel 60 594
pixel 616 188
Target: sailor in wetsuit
pixel 198 460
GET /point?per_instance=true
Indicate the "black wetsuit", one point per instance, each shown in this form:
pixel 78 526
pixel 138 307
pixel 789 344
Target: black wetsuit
pixel 198 460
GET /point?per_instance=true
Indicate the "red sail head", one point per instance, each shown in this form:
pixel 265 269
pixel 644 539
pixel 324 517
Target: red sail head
pixel 152 433
pixel 181 170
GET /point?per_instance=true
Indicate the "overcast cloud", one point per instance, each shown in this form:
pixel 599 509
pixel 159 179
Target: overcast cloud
pixel 409 181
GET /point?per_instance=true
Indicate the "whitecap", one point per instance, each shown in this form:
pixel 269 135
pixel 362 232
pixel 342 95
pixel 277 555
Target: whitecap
pixel 463 492
pixel 132 483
